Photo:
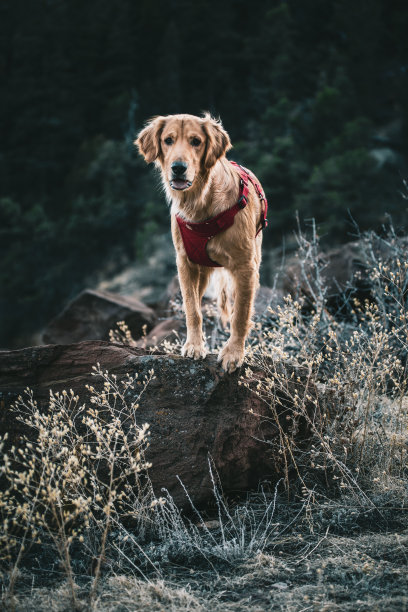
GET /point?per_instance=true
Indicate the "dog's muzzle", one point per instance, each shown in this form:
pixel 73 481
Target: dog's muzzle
pixel 178 180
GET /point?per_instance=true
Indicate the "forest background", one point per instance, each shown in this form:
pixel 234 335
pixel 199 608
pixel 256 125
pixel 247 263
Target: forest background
pixel 314 95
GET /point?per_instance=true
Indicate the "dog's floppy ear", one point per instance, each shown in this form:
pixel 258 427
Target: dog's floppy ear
pixel 218 142
pixel 148 140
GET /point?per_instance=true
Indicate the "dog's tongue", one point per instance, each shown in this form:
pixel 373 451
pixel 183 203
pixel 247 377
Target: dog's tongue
pixel 179 184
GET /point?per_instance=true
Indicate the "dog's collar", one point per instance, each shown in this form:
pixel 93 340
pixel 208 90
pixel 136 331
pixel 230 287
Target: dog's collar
pixel 196 235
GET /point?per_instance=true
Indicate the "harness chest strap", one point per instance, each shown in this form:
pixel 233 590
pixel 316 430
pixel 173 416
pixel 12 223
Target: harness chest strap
pixel 196 235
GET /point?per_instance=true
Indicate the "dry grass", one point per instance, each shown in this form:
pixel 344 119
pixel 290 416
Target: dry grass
pixel 359 573
pixel 74 478
pixel 353 370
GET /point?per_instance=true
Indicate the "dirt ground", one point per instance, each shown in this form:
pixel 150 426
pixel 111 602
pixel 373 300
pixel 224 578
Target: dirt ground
pixel 338 559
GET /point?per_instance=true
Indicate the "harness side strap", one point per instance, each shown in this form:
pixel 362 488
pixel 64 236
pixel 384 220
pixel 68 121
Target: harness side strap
pixel 246 175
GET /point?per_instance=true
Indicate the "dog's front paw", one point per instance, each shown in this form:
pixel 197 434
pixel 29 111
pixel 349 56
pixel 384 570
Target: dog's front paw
pixel 194 350
pixel 231 357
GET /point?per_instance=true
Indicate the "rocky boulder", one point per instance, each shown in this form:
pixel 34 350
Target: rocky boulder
pixel 338 268
pixel 92 314
pixel 194 409
pixel 345 271
pixel 167 330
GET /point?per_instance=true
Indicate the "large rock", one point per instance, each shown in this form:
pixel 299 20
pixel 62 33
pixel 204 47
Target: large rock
pixel 194 410
pixel 345 271
pixel 338 268
pixel 92 314
pixel 167 330
pixel 266 297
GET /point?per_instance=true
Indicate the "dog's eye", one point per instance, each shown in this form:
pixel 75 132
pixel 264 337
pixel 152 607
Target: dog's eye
pixel 195 142
pixel 168 141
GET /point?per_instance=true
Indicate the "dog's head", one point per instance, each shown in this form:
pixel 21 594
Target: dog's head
pixel 183 146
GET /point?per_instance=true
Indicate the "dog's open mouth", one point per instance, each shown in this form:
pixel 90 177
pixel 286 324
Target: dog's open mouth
pixel 180 184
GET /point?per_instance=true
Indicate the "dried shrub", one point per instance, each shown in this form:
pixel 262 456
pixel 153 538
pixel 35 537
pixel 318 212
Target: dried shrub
pixel 352 368
pixel 78 475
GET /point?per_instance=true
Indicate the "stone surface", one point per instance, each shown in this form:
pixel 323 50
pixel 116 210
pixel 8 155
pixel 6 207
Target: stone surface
pixel 345 271
pixel 339 268
pixel 164 306
pixel 194 410
pixel 92 314
pixel 165 330
pixel 264 298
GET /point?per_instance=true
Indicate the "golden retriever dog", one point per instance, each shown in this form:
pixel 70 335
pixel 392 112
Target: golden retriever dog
pixel 201 184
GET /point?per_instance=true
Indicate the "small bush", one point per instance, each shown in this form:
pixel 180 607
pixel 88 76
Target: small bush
pixel 78 476
pixel 353 369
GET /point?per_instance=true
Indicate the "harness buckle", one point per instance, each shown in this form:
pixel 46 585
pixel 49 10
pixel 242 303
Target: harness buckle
pixel 242 202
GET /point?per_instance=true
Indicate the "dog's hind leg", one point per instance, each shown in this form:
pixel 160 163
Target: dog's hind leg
pixel 205 274
pixel 223 295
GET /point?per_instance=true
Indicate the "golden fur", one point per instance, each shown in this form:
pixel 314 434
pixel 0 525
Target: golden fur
pixel 201 143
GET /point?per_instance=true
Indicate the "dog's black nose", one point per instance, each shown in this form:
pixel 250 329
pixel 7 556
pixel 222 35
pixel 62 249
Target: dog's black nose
pixel 178 168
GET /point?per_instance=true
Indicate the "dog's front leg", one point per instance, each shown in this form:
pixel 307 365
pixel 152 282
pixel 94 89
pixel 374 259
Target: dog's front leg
pixel 189 277
pixel 245 284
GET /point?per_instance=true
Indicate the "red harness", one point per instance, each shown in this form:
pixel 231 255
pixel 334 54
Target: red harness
pixel 196 235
